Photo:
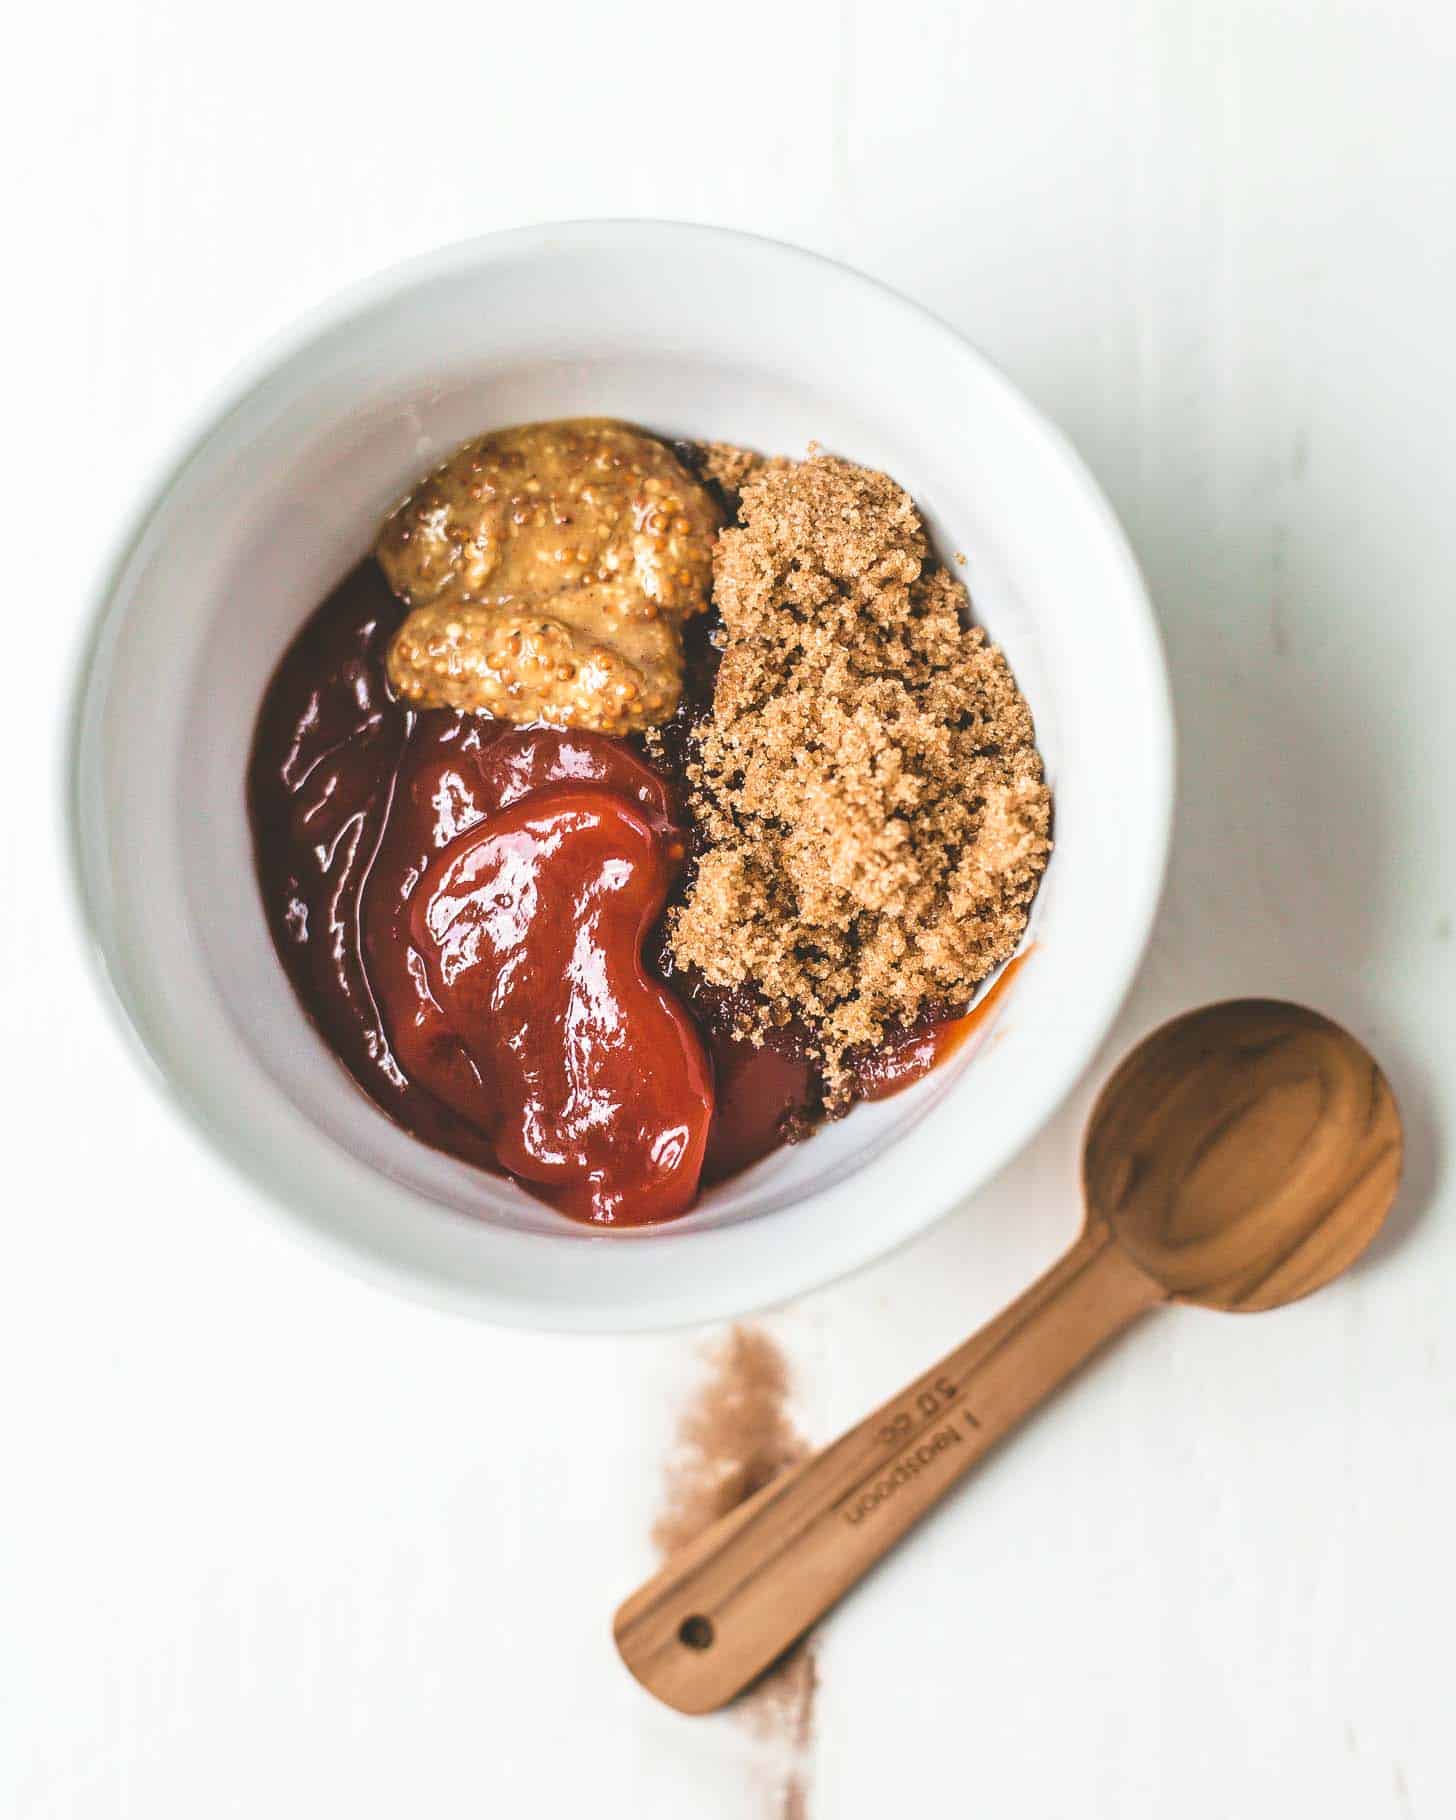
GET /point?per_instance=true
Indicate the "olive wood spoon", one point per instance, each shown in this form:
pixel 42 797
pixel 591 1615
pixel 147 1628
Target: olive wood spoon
pixel 1241 1157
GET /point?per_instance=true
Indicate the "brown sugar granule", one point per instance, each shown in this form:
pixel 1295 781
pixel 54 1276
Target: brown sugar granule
pixel 871 806
pixel 729 466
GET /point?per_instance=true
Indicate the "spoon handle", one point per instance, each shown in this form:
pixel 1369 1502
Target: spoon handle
pixel 729 1604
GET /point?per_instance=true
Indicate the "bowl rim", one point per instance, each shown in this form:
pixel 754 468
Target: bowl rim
pixel 148 500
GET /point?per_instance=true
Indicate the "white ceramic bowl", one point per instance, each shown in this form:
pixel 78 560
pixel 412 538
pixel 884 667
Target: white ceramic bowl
pixel 694 332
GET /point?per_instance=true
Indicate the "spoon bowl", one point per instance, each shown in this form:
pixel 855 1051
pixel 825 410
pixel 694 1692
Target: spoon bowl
pixel 1244 1155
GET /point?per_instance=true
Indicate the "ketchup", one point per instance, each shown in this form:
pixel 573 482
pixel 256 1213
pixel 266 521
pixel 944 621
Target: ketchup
pixel 589 1076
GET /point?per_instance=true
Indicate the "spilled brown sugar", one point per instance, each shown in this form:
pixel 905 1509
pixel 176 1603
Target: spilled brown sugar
pixel 872 811
pixel 733 1437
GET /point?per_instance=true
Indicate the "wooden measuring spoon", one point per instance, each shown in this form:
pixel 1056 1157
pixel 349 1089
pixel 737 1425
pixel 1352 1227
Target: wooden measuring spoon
pixel 1241 1157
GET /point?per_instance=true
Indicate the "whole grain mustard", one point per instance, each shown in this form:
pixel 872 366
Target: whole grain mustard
pixel 548 570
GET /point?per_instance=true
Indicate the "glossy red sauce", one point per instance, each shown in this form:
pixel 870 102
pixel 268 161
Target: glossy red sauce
pixel 905 1059
pixel 589 1076
pixel 470 913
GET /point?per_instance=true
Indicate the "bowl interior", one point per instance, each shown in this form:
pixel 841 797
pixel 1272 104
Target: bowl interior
pixel 690 334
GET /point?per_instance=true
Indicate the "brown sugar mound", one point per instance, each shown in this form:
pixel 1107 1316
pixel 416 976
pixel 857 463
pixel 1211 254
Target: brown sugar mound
pixel 870 800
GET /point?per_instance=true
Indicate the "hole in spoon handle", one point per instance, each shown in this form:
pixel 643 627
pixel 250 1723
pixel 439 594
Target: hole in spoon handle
pixel 724 1608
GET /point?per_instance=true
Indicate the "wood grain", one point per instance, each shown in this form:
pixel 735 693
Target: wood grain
pixel 1241 1157
pixel 1244 1154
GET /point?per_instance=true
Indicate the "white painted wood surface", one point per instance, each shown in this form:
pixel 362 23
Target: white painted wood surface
pixel 273 1543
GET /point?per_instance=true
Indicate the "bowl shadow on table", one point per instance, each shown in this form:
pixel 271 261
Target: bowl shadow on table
pixel 1283 879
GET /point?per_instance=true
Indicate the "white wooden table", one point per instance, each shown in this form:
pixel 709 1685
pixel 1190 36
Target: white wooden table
pixel 272 1543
